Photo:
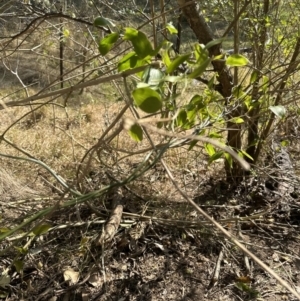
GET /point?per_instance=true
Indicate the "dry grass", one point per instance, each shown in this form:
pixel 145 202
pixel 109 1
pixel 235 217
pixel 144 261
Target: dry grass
pixel 60 137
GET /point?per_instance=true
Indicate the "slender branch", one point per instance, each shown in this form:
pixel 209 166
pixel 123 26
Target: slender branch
pixel 128 124
pixel 74 88
pixel 231 237
pixel 280 88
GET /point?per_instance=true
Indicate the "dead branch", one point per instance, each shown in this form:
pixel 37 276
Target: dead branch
pixel 114 221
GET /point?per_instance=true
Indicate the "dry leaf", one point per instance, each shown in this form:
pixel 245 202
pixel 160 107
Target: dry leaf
pixel 71 276
pixel 275 257
pixel 85 295
pixel 4 280
pixel 95 280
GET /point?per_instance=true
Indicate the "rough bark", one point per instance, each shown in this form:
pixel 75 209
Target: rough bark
pixel 204 36
pixel 258 63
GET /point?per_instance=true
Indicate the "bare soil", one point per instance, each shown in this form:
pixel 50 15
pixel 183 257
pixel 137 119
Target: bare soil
pixel 170 258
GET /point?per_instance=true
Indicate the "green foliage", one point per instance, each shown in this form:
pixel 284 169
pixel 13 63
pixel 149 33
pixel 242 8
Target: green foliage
pixel 201 53
pixel 254 76
pixel 66 33
pixel 165 53
pixel 236 120
pixel 209 149
pixel 108 42
pixel 214 43
pixel 177 62
pixel 236 60
pixel 41 229
pixel 130 61
pixel 154 90
pixel 140 42
pixel 4 230
pixel 228 159
pixel 243 153
pixel 19 265
pixel 244 287
pixel 171 28
pixel 103 22
pixel 215 156
pixel 202 60
pixel 147 99
pixel 136 133
pixel 200 68
pixel 4 280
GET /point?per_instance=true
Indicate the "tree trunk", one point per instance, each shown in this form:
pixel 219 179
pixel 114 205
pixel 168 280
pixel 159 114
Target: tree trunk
pixel 258 64
pixel 204 36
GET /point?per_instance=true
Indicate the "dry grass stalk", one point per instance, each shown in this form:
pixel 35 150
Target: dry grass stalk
pixel 11 188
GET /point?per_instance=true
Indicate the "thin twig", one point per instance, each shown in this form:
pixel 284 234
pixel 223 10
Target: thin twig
pixel 128 124
pixel 216 275
pixel 231 237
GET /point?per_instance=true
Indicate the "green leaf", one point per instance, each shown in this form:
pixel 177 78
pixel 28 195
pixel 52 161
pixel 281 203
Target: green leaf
pixel 215 156
pixel 66 33
pixel 215 135
pixel 265 83
pixel 136 133
pixel 41 229
pixel 192 144
pixel 211 82
pixel 279 111
pixel 210 149
pixel 181 118
pixel 4 280
pixel 4 230
pixel 253 294
pixel 152 76
pixel 3 294
pixel 236 120
pixel 84 241
pixel 107 43
pixel 197 100
pixel 214 42
pixel 238 91
pixel 254 76
pixel 219 57
pixel 165 53
pixel 285 143
pixel 19 265
pixel 177 62
pixel 22 250
pixel 140 42
pixel 236 60
pixel 103 22
pixel 157 49
pixel 147 99
pixel 246 154
pixel 200 69
pixel 248 102
pixel 228 159
pixel 130 61
pixel 171 28
pixel 192 113
pixel 201 53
